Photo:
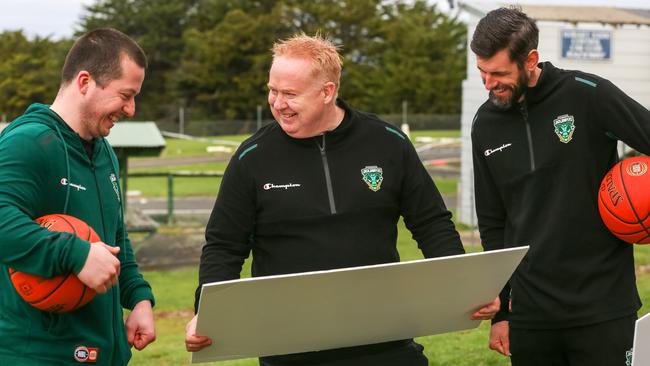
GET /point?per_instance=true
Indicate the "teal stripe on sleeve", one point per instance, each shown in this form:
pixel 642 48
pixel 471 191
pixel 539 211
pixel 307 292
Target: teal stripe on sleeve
pixel 248 149
pixel 588 82
pixel 395 132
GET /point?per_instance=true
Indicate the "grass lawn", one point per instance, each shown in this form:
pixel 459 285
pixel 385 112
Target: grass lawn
pixel 183 186
pixel 178 148
pixel 434 133
pixel 209 186
pixel 174 292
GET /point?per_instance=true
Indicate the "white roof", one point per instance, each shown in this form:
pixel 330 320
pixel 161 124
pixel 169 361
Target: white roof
pixel 570 14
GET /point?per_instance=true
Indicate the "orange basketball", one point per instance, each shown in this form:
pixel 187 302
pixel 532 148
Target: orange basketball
pixel 624 200
pixel 58 294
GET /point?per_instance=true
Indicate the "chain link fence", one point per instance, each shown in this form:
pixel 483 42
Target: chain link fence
pixel 242 126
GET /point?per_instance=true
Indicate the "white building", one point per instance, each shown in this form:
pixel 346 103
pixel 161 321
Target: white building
pixel 609 42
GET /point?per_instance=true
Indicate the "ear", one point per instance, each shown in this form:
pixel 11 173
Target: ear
pixel 83 81
pixel 329 92
pixel 531 60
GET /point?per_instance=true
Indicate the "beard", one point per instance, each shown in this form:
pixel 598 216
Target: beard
pixel 516 92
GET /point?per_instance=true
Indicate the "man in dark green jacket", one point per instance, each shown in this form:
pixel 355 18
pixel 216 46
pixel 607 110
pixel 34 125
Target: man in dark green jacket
pixel 54 159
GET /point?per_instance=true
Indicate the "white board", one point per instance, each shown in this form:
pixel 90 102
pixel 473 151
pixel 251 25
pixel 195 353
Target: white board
pixel 352 306
pixel 641 349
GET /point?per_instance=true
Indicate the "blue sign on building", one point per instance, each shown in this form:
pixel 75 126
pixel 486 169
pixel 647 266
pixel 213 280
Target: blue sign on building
pixel 580 44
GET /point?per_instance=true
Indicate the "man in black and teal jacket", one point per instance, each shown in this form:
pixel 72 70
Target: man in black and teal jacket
pixel 322 188
pixel 54 159
pixel 542 144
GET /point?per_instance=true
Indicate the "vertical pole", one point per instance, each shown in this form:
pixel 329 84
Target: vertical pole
pixel 123 161
pixel 405 125
pixel 259 116
pixel 170 198
pixel 181 120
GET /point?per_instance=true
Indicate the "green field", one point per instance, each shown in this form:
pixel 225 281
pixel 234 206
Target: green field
pixel 209 186
pixel 175 295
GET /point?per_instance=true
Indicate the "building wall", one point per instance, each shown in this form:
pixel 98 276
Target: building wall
pixel 628 68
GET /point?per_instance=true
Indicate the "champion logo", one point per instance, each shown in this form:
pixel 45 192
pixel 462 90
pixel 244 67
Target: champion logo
pixel 268 186
pixel 489 152
pixel 86 354
pixel 78 187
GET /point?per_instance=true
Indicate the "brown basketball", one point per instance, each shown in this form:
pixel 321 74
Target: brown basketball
pixel 58 294
pixel 624 200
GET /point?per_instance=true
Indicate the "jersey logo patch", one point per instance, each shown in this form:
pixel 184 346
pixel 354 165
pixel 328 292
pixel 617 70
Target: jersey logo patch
pixel 564 127
pixel 373 176
pixel 86 354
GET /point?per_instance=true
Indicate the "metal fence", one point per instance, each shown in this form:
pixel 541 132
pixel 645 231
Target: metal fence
pixel 243 126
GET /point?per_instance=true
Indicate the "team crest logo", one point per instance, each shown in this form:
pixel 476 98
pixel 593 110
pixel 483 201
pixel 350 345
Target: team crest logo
pixel 373 176
pixel 113 180
pixel 637 168
pixel 564 127
pixel 628 357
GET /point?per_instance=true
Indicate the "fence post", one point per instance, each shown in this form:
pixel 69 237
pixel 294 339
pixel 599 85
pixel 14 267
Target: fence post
pixel 181 120
pixel 170 198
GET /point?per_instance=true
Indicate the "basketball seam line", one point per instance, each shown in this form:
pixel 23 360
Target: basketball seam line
pixel 640 222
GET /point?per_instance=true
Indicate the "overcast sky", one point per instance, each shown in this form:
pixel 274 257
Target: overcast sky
pixel 59 18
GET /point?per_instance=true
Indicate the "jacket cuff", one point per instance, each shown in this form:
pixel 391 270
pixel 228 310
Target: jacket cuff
pixel 140 294
pixel 501 316
pixel 77 255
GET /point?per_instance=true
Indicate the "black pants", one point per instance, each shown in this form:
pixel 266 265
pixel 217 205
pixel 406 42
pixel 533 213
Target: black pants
pixel 397 353
pixel 603 344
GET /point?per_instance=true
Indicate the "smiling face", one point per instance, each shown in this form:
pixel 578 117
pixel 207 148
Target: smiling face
pixel 103 106
pixel 298 96
pixel 506 81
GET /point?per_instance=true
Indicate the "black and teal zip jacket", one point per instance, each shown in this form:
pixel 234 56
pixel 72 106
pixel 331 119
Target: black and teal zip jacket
pixel 537 169
pixel 320 203
pixel 44 169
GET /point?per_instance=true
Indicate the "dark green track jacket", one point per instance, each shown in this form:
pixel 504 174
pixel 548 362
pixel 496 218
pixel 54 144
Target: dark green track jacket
pixel 44 169
pixel 537 170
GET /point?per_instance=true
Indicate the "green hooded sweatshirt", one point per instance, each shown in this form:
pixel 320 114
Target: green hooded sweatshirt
pixel 44 169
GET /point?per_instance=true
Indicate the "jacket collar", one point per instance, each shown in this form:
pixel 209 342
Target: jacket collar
pixel 336 136
pixel 547 83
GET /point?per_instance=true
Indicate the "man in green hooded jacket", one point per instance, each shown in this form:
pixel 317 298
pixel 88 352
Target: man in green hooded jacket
pixel 54 159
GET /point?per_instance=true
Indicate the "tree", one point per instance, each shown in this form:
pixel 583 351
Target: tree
pixel 30 71
pixel 224 69
pixel 213 55
pixel 423 59
pixel 158 26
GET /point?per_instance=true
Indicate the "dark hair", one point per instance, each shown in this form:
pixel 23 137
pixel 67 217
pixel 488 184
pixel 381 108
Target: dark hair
pixel 100 52
pixel 505 28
